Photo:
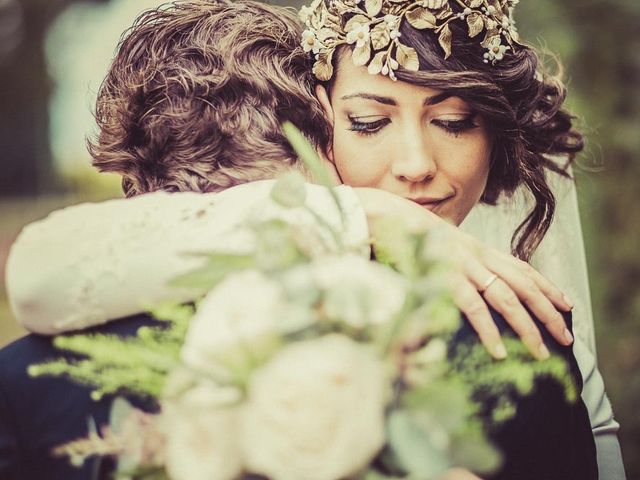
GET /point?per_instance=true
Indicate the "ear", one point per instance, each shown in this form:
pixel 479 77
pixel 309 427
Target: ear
pixel 329 165
pixel 327 156
pixel 325 103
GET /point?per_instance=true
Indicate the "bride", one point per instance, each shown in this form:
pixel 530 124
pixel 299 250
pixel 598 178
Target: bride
pixel 426 130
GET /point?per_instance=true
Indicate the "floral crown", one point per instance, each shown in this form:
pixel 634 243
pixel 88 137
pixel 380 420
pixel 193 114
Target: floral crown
pixel 373 27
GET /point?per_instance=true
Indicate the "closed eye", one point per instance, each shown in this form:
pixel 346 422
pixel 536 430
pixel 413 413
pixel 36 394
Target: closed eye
pixel 367 128
pixel 456 127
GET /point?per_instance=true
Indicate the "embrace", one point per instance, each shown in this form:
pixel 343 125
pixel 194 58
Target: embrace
pixel 420 111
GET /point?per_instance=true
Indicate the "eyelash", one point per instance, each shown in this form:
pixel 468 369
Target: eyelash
pixel 452 127
pixel 367 128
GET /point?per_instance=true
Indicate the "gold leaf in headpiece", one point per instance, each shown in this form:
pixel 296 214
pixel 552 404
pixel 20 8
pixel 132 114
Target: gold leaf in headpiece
pixel 373 7
pixel 421 18
pixel 407 57
pixel 445 40
pixel 380 37
pixel 444 13
pixel 434 4
pixel 322 68
pixel 490 38
pixel 475 23
pixel 361 19
pixel 361 55
pixel 474 3
pixel 375 66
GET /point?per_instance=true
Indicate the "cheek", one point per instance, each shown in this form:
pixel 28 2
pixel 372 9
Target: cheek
pixel 468 177
pixel 361 162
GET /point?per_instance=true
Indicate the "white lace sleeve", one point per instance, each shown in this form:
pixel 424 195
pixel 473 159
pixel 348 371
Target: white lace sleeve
pixel 86 264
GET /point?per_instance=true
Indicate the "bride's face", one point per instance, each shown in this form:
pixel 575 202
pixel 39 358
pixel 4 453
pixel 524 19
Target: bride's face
pixel 412 141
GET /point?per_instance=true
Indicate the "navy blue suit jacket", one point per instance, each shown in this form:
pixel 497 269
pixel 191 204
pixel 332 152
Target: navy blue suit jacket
pixel 38 414
pixel 547 440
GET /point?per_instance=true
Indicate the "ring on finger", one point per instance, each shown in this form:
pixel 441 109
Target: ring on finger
pixel 488 283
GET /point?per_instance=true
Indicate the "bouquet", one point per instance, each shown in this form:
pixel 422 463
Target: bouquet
pixel 302 359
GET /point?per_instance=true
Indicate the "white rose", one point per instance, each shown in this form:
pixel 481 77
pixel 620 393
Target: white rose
pixel 201 435
pixel 358 291
pixel 243 308
pixel 315 411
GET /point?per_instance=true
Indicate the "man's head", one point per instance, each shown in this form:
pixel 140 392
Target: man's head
pixel 196 94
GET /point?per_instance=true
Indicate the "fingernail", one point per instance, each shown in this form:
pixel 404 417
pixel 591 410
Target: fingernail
pixel 568 336
pixel 543 352
pixel 568 301
pixel 500 351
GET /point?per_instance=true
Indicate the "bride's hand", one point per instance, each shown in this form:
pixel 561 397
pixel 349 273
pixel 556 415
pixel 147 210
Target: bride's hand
pixel 484 277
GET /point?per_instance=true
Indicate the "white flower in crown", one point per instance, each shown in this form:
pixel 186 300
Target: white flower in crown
pixel 315 411
pixel 310 42
pixel 393 25
pixel 490 10
pixel 305 14
pixel 465 13
pixel 495 50
pixel 359 34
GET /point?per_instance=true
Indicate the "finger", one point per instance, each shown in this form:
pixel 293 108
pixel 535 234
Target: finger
pixel 501 297
pixel 559 299
pixel 529 293
pixel 472 305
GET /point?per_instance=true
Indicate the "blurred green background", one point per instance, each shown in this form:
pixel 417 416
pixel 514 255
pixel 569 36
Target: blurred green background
pixel 53 54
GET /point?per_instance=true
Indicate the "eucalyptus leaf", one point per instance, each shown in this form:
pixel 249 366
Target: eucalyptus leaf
pixel 120 410
pixel 473 450
pixel 290 190
pixel 413 446
pixel 218 266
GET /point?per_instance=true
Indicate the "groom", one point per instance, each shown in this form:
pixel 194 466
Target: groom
pixel 162 129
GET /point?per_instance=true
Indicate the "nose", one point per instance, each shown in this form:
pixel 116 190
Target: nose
pixel 414 160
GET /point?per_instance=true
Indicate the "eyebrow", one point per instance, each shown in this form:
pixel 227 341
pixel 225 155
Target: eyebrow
pixel 434 100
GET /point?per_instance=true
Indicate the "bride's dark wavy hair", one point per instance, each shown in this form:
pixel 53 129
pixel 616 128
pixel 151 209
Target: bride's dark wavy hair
pixel 523 107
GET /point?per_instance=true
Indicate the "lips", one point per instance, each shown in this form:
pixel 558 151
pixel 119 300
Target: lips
pixel 430 203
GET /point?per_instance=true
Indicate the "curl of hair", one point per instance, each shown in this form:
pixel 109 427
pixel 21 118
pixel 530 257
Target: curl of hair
pixel 196 95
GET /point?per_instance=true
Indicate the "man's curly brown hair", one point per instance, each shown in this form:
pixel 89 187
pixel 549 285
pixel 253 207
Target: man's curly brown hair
pixel 196 94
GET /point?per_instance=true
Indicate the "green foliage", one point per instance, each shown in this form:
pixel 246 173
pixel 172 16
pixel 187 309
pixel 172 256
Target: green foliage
pixel 113 364
pixel 504 381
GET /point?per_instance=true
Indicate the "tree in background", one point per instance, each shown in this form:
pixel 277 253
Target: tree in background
pixel 599 42
pixel 24 97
